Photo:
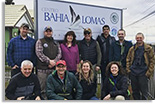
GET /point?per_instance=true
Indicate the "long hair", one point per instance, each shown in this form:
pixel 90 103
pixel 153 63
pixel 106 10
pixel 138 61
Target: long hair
pixel 74 37
pixel 90 75
pixel 108 71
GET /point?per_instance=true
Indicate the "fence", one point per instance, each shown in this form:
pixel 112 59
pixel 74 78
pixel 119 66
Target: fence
pixel 7 73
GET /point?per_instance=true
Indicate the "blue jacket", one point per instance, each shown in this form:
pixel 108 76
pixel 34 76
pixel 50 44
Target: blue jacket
pixel 115 52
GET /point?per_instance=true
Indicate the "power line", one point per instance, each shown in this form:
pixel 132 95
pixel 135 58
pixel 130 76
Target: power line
pixel 146 16
pixel 148 8
pixel 145 8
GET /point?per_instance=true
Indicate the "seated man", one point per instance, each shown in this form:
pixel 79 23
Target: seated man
pixel 63 85
pixel 24 85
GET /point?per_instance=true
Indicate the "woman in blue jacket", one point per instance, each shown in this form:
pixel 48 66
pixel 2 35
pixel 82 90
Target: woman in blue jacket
pixel 115 85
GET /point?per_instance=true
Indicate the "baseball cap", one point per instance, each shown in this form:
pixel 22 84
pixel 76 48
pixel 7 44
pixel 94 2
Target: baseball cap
pixel 48 28
pixel 25 25
pixel 61 62
pixel 87 31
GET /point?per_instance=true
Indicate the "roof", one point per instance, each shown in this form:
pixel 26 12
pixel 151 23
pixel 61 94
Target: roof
pixel 31 11
pixel 13 13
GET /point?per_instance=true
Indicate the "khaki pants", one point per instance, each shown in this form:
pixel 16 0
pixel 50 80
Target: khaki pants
pixel 42 76
pixel 119 97
pixel 94 69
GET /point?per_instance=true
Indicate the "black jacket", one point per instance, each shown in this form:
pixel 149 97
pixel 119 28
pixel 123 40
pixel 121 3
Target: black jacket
pixel 23 86
pixel 120 88
pixel 88 52
pixel 105 45
pixel 89 90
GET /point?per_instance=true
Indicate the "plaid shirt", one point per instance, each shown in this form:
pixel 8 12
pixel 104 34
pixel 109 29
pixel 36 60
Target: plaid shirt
pixel 19 50
pixel 42 56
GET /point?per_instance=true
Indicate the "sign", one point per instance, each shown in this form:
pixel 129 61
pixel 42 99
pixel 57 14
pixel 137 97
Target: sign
pixel 64 16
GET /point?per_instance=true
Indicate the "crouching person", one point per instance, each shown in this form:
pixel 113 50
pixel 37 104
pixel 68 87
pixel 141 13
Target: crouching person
pixel 24 85
pixel 63 85
pixel 87 80
pixel 115 85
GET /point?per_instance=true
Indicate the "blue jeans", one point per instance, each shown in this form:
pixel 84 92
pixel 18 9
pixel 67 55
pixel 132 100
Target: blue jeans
pixel 94 98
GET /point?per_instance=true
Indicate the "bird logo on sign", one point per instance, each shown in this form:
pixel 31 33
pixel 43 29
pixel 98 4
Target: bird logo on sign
pixel 75 20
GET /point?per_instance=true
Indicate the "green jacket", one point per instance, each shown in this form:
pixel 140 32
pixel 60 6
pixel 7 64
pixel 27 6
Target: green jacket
pixel 149 59
pixel 57 90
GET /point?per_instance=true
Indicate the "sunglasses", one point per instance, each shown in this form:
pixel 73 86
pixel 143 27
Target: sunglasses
pixel 86 32
pixel 48 30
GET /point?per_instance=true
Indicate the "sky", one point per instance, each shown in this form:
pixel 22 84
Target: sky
pixel 138 15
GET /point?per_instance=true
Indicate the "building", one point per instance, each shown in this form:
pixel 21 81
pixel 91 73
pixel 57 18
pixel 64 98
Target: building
pixel 15 15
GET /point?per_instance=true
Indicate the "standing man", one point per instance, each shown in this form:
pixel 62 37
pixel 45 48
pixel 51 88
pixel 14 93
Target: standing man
pixel 140 65
pixel 48 52
pixel 24 85
pixel 105 42
pixel 120 48
pixel 61 84
pixel 20 48
pixel 89 49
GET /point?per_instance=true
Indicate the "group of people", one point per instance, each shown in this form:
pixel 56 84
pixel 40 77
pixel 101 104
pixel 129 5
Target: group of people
pixel 68 71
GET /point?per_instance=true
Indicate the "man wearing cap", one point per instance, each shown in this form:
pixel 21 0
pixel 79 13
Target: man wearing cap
pixel 61 84
pixel 21 47
pixel 89 49
pixel 48 52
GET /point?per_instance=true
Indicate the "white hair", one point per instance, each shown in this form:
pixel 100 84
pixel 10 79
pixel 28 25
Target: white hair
pixel 26 62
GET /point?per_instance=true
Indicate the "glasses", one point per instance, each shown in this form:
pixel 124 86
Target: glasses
pixel 61 66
